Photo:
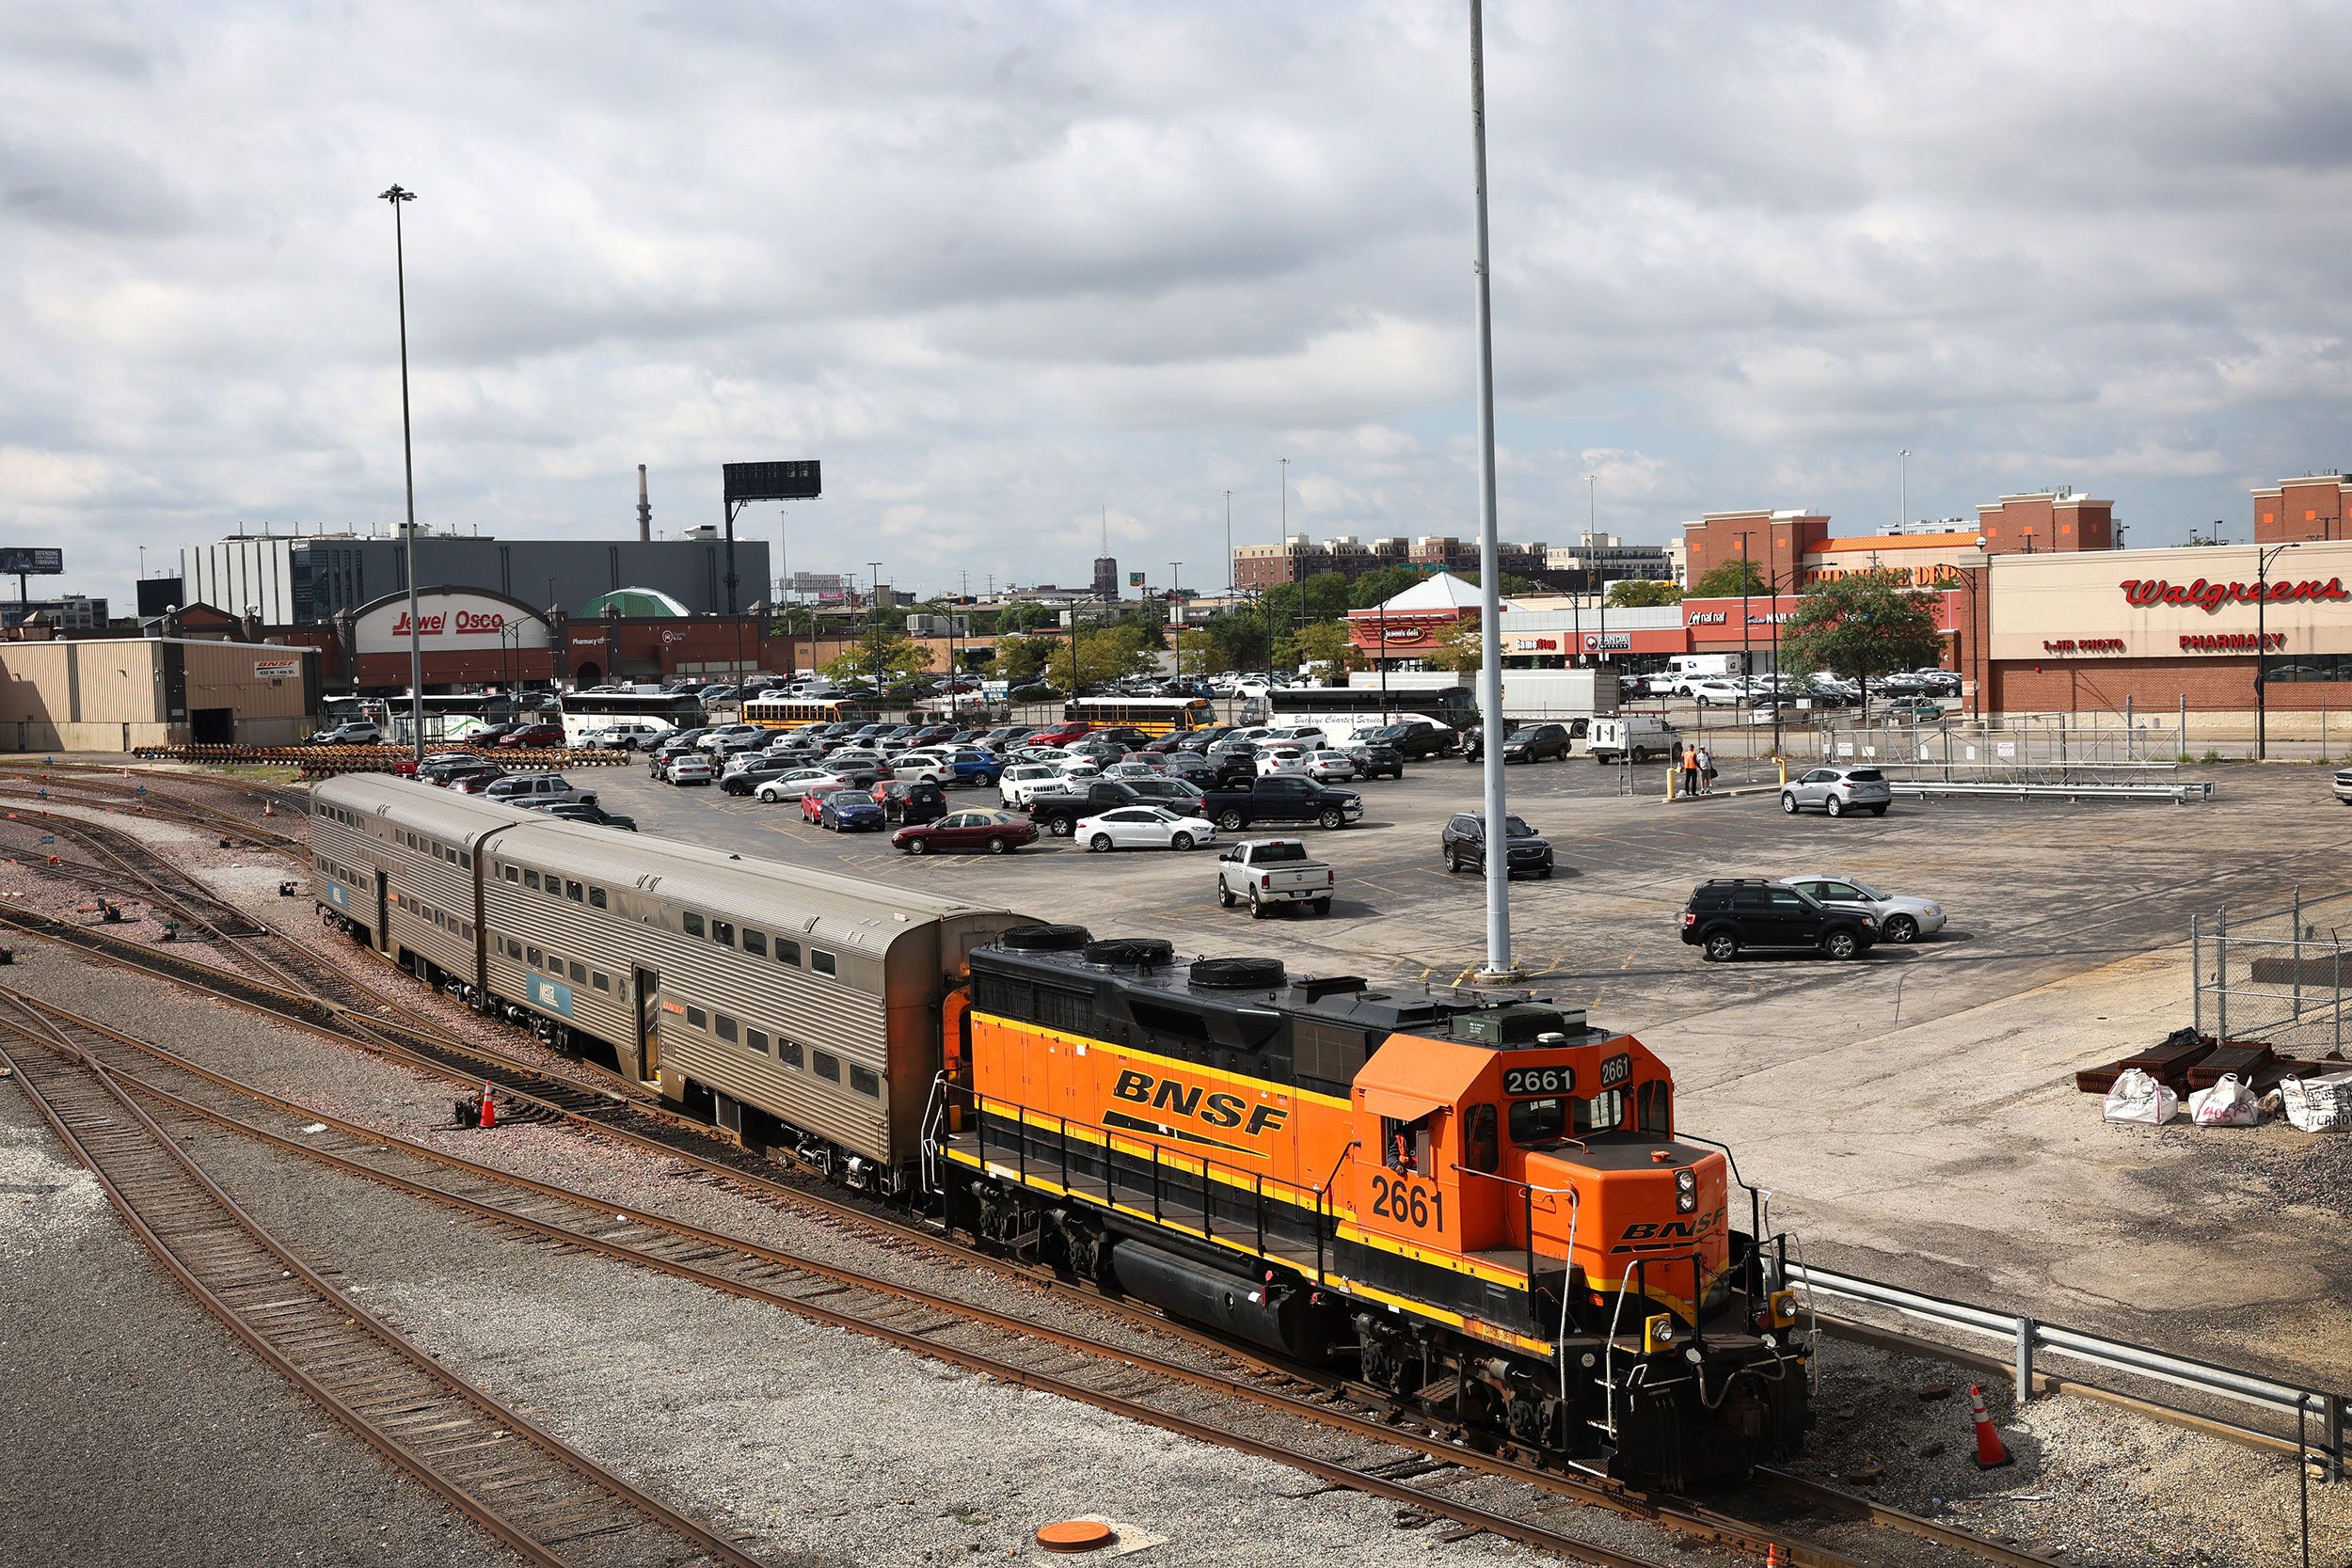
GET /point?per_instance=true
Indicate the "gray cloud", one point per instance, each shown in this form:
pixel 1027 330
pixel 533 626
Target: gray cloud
pixel 1003 264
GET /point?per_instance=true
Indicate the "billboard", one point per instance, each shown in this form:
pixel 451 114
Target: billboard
pixel 773 482
pixel 817 583
pixel 16 561
pixel 1134 579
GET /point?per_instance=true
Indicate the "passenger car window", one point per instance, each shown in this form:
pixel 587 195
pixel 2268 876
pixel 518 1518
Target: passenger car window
pixel 596 897
pixel 754 942
pixel 822 961
pixel 696 1017
pixel 828 1066
pixel 694 924
pixel 788 1053
pixel 531 881
pixel 579 972
pixel 787 952
pixel 723 932
pixel 574 892
pixel 865 1082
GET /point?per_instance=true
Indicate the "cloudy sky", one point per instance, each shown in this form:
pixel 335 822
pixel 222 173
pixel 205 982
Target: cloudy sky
pixel 1003 265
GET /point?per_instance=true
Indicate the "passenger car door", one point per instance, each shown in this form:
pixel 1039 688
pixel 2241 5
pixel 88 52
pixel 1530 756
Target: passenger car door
pixel 1796 921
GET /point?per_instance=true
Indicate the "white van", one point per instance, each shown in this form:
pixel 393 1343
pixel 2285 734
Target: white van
pixel 1640 736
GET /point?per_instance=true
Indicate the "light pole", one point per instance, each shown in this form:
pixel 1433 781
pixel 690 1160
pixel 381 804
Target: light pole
pixel 1229 544
pixel 873 622
pixel 397 197
pixel 2262 647
pixel 1904 519
pixel 1600 575
pixel 1498 965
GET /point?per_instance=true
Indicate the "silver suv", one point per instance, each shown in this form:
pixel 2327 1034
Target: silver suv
pixel 1837 790
pixel 535 789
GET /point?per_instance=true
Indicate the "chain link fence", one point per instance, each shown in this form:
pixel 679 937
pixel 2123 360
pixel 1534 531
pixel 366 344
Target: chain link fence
pixel 2280 979
pixel 2046 749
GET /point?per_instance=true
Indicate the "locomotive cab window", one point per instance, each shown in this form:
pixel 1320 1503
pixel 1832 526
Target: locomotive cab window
pixel 1479 1151
pixel 1604 1113
pixel 1539 1121
pixel 1405 1144
pixel 1654 1107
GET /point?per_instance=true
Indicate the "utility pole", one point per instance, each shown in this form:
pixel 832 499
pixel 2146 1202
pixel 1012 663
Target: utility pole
pixel 1905 518
pixel 399 199
pixel 1499 966
pixel 1229 544
pixel 2261 648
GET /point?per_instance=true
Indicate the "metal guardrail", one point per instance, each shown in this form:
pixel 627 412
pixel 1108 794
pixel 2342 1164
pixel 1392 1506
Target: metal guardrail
pixel 2027 1338
pixel 2180 794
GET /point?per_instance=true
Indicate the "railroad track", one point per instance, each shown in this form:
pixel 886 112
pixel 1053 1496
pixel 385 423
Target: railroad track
pixel 1429 1455
pixel 549 1502
pixel 77 787
pixel 120 854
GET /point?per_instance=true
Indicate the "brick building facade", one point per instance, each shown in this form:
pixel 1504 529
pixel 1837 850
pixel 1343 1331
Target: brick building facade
pixel 2311 507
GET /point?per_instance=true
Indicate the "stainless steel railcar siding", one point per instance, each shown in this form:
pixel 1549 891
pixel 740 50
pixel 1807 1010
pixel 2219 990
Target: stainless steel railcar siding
pixel 876 1013
pixel 426 842
pixel 343 866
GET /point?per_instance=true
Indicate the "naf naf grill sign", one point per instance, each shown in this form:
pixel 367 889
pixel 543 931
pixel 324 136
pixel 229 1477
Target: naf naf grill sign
pixel 2146 592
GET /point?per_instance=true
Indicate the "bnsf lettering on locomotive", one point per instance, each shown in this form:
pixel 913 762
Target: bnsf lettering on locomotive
pixel 1186 1099
pixel 1669 1230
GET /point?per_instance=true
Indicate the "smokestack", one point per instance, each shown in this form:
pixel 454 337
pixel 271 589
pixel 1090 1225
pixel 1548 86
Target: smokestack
pixel 644 508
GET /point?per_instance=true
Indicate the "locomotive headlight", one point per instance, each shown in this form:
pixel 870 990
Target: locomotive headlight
pixel 1686 1191
pixel 1658 1334
pixel 1685 1202
pixel 1687 1180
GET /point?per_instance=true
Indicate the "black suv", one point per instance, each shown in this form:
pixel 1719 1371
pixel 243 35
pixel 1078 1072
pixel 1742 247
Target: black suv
pixel 1374 759
pixel 1534 742
pixel 1463 844
pixel 1416 738
pixel 1728 916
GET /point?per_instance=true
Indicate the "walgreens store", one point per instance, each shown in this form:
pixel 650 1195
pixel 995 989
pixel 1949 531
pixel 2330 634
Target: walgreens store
pixel 2157 628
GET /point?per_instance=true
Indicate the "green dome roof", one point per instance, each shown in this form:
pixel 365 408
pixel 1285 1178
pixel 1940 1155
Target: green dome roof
pixel 632 604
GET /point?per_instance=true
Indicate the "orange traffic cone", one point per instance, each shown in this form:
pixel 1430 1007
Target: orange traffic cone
pixel 490 1119
pixel 269 808
pixel 1991 1454
pixel 1771 1555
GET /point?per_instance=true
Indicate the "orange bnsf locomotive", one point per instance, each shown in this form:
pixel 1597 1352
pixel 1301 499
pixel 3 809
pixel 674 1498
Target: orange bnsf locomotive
pixel 1484 1204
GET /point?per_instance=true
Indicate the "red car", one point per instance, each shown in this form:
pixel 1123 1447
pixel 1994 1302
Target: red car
pixel 999 833
pixel 1060 735
pixel 813 799
pixel 534 735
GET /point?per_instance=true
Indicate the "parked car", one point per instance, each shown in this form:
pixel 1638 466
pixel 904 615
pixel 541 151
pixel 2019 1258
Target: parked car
pixel 1418 738
pixel 1144 827
pixel 1278 759
pixel 1640 736
pixel 532 737
pixel 1267 873
pixel 474 780
pixel 1463 843
pixel 488 736
pixel 1727 916
pixel 998 832
pixel 678 743
pixel 1717 693
pixel 791 786
pixel 631 735
pixel 720 738
pixel 1018 784
pixel 584 810
pixel 1838 789
pixel 1376 759
pixel 520 789
pixel 355 732
pixel 1287 800
pixel 1534 742
pixel 688 767
pixel 847 811
pixel 909 799
pixel 2344 786
pixel 1330 766
pixel 437 767
pixel 1910 710
pixel 813 799
pixel 753 773
pixel 1900 917
pixel 961 765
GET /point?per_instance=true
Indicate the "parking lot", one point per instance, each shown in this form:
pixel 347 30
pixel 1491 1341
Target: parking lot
pixel 1912 1111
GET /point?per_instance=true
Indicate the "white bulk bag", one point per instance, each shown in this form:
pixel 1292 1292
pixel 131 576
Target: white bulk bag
pixel 2137 1097
pixel 2228 1104
pixel 2319 1105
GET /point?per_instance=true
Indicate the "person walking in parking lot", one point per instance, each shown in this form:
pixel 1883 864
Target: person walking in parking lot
pixel 1690 767
pixel 1706 768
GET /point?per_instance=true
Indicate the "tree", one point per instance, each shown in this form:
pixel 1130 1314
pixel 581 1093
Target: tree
pixel 1457 648
pixel 1327 643
pixel 1024 615
pixel 1724 582
pixel 1241 641
pixel 1103 654
pixel 887 660
pixel 1858 626
pixel 1198 654
pixel 1374 588
pixel 1640 594
pixel 1022 660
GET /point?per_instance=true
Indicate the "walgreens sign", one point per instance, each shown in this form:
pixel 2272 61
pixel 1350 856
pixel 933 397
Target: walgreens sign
pixel 2208 595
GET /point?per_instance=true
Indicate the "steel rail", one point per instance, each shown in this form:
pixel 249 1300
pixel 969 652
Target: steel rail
pixel 104 795
pixel 376 1383
pixel 691 1264
pixel 1679 1514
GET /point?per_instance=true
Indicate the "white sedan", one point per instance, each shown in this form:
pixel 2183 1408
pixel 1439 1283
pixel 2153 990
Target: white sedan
pixel 1024 779
pixel 792 785
pixel 1074 770
pixel 1329 767
pixel 1145 828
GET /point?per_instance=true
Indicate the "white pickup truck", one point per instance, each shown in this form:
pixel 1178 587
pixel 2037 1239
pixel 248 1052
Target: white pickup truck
pixel 1264 872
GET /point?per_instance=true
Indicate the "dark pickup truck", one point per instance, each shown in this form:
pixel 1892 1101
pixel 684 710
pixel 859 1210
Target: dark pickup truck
pixel 1059 814
pixel 1281 799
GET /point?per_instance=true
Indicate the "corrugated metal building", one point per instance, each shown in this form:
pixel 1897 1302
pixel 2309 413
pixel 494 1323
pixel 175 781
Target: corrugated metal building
pixel 111 694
